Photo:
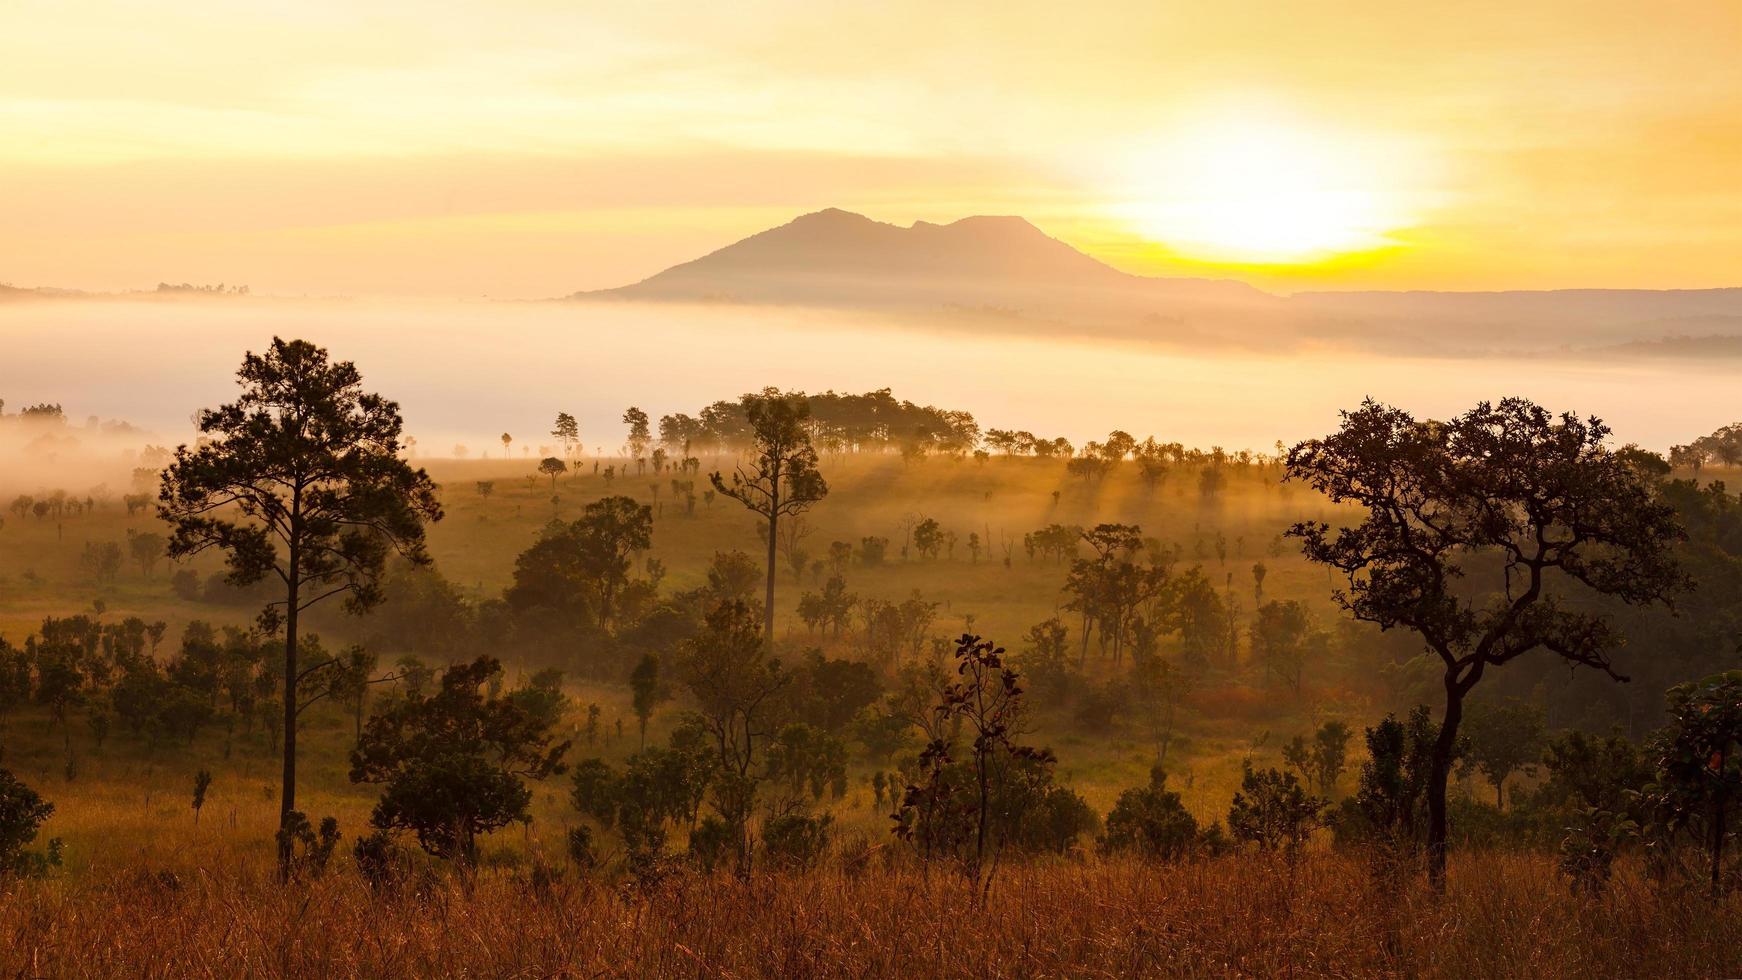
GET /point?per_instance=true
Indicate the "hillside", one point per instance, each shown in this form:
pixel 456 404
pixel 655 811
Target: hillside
pixel 1005 267
pixel 839 259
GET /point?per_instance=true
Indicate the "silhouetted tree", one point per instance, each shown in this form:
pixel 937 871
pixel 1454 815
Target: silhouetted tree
pixel 1503 739
pixel 1537 499
pixel 552 467
pixel 647 692
pixel 453 764
pixel 640 435
pixel 299 478
pixel 735 686
pixel 567 432
pixel 1699 764
pixel 782 480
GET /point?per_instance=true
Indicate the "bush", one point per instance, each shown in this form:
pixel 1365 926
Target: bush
pixel 380 860
pixel 711 842
pixel 1272 810
pixel 796 841
pixel 22 813
pixel 1150 821
pixel 185 583
pixel 309 851
pixel 580 847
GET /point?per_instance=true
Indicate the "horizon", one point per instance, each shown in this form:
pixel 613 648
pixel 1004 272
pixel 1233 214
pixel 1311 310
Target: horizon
pixel 53 289
pixel 535 150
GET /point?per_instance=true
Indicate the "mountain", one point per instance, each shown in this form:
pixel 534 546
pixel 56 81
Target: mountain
pixel 1004 273
pixel 836 258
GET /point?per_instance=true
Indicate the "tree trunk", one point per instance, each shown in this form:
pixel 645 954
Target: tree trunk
pixel 287 794
pixel 1718 809
pixel 1436 785
pixel 773 521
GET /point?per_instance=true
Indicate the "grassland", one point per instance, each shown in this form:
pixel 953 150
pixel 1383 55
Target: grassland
pixel 146 890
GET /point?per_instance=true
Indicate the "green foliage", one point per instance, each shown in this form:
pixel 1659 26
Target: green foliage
pixel 577 571
pixel 657 790
pixel 1321 761
pixel 1000 794
pixel 1046 661
pixel 805 759
pixel 309 851
pixel 796 841
pixel 1150 821
pixel 22 813
pixel 453 764
pixel 1698 785
pixel 1588 772
pixel 1503 739
pixel 1273 810
pixel 1389 808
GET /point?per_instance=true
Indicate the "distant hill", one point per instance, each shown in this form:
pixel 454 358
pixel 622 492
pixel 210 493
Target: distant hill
pixel 1008 273
pixel 839 259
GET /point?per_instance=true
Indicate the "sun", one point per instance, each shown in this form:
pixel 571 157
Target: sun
pixel 1258 191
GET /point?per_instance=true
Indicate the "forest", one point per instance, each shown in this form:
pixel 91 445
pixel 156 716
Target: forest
pixel 838 683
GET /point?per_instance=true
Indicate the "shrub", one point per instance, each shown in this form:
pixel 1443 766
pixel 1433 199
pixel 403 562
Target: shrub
pixel 310 851
pixel 796 840
pixel 1150 821
pixel 711 842
pixel 1272 810
pixel 380 860
pixel 22 813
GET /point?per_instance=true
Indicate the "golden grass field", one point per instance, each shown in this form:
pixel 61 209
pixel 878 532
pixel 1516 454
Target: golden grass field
pixel 1503 916
pixel 144 891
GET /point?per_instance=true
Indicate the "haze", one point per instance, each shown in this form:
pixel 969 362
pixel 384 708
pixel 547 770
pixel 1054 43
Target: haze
pixel 529 149
pixel 464 373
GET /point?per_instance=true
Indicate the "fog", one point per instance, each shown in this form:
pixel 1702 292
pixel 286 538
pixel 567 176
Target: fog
pixel 465 373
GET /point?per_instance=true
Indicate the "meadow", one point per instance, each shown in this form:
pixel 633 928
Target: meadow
pixel 148 884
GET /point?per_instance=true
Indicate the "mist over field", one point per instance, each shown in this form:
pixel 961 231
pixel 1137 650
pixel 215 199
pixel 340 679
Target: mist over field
pixel 464 372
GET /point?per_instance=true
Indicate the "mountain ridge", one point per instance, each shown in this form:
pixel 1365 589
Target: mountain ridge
pixel 1006 266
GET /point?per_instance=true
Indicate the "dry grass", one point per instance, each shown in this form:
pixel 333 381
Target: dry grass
pixel 1245 915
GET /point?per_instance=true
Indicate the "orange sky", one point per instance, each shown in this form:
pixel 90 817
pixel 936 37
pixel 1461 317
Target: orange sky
pixel 523 148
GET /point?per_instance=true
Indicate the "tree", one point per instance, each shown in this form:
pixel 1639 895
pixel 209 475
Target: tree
pixel 1280 637
pixel 985 706
pixel 928 537
pixel 552 467
pixel 1699 763
pixel 1533 502
pixel 1389 808
pixel 1151 821
pixel 507 440
pixel 1321 761
pixel 735 687
pixel 580 568
pixel 299 478
pixel 453 765
pixel 783 480
pixel 1273 810
pixel 640 435
pixel 202 782
pixel 567 432
pixel 647 691
pixel 1504 738
pixel 22 812
pixel 146 549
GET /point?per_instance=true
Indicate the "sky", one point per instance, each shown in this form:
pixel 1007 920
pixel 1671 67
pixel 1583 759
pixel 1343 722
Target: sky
pixel 529 149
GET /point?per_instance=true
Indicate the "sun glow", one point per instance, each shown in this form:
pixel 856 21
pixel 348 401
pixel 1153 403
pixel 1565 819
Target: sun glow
pixel 1260 192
